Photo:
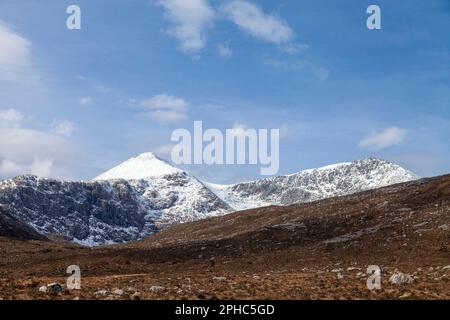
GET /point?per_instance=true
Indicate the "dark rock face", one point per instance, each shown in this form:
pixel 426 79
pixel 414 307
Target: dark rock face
pixel 85 212
pixel 106 212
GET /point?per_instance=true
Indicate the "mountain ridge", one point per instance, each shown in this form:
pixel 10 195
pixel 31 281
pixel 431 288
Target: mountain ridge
pixel 113 208
pixel 314 184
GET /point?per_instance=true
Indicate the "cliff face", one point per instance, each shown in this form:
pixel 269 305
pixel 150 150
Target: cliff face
pixel 106 212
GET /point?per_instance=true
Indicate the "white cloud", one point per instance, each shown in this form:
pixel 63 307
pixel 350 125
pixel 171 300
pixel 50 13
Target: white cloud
pixel 38 167
pixel 165 109
pixel 29 151
pixel 41 167
pixel 9 168
pixel 26 151
pixel 85 101
pixel 63 127
pixel 15 56
pixel 389 137
pixel 189 19
pixel 10 118
pixel 225 50
pixel 251 19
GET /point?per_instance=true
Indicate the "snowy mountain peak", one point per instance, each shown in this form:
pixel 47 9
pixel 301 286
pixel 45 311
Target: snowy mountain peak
pixel 143 166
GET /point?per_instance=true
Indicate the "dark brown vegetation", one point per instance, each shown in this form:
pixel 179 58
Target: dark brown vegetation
pixel 319 250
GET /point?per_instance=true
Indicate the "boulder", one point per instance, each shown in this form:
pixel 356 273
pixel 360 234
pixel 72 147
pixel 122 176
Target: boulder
pixel 400 278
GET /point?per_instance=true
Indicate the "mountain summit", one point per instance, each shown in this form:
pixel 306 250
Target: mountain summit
pixel 143 166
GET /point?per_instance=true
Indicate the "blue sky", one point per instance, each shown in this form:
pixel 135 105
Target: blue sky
pixel 73 103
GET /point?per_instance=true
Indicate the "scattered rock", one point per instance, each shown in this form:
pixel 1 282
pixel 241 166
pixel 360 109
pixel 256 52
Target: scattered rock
pixel 400 278
pixel 54 288
pixel 135 296
pixel 76 298
pixel 118 292
pixel 157 289
pixel 43 289
pixel 220 278
pixel 340 276
pixel 405 295
pixel 446 267
pixel 101 293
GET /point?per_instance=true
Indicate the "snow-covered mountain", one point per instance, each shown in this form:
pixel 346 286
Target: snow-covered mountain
pixel 145 193
pixel 315 184
pixel 174 195
pixel 111 209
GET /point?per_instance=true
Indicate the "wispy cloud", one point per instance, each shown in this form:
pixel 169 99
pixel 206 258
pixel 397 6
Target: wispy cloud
pixel 320 72
pixel 387 138
pixel 251 19
pixel 165 108
pixel 63 127
pixel 189 20
pixel 10 118
pixel 15 57
pixel 294 48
